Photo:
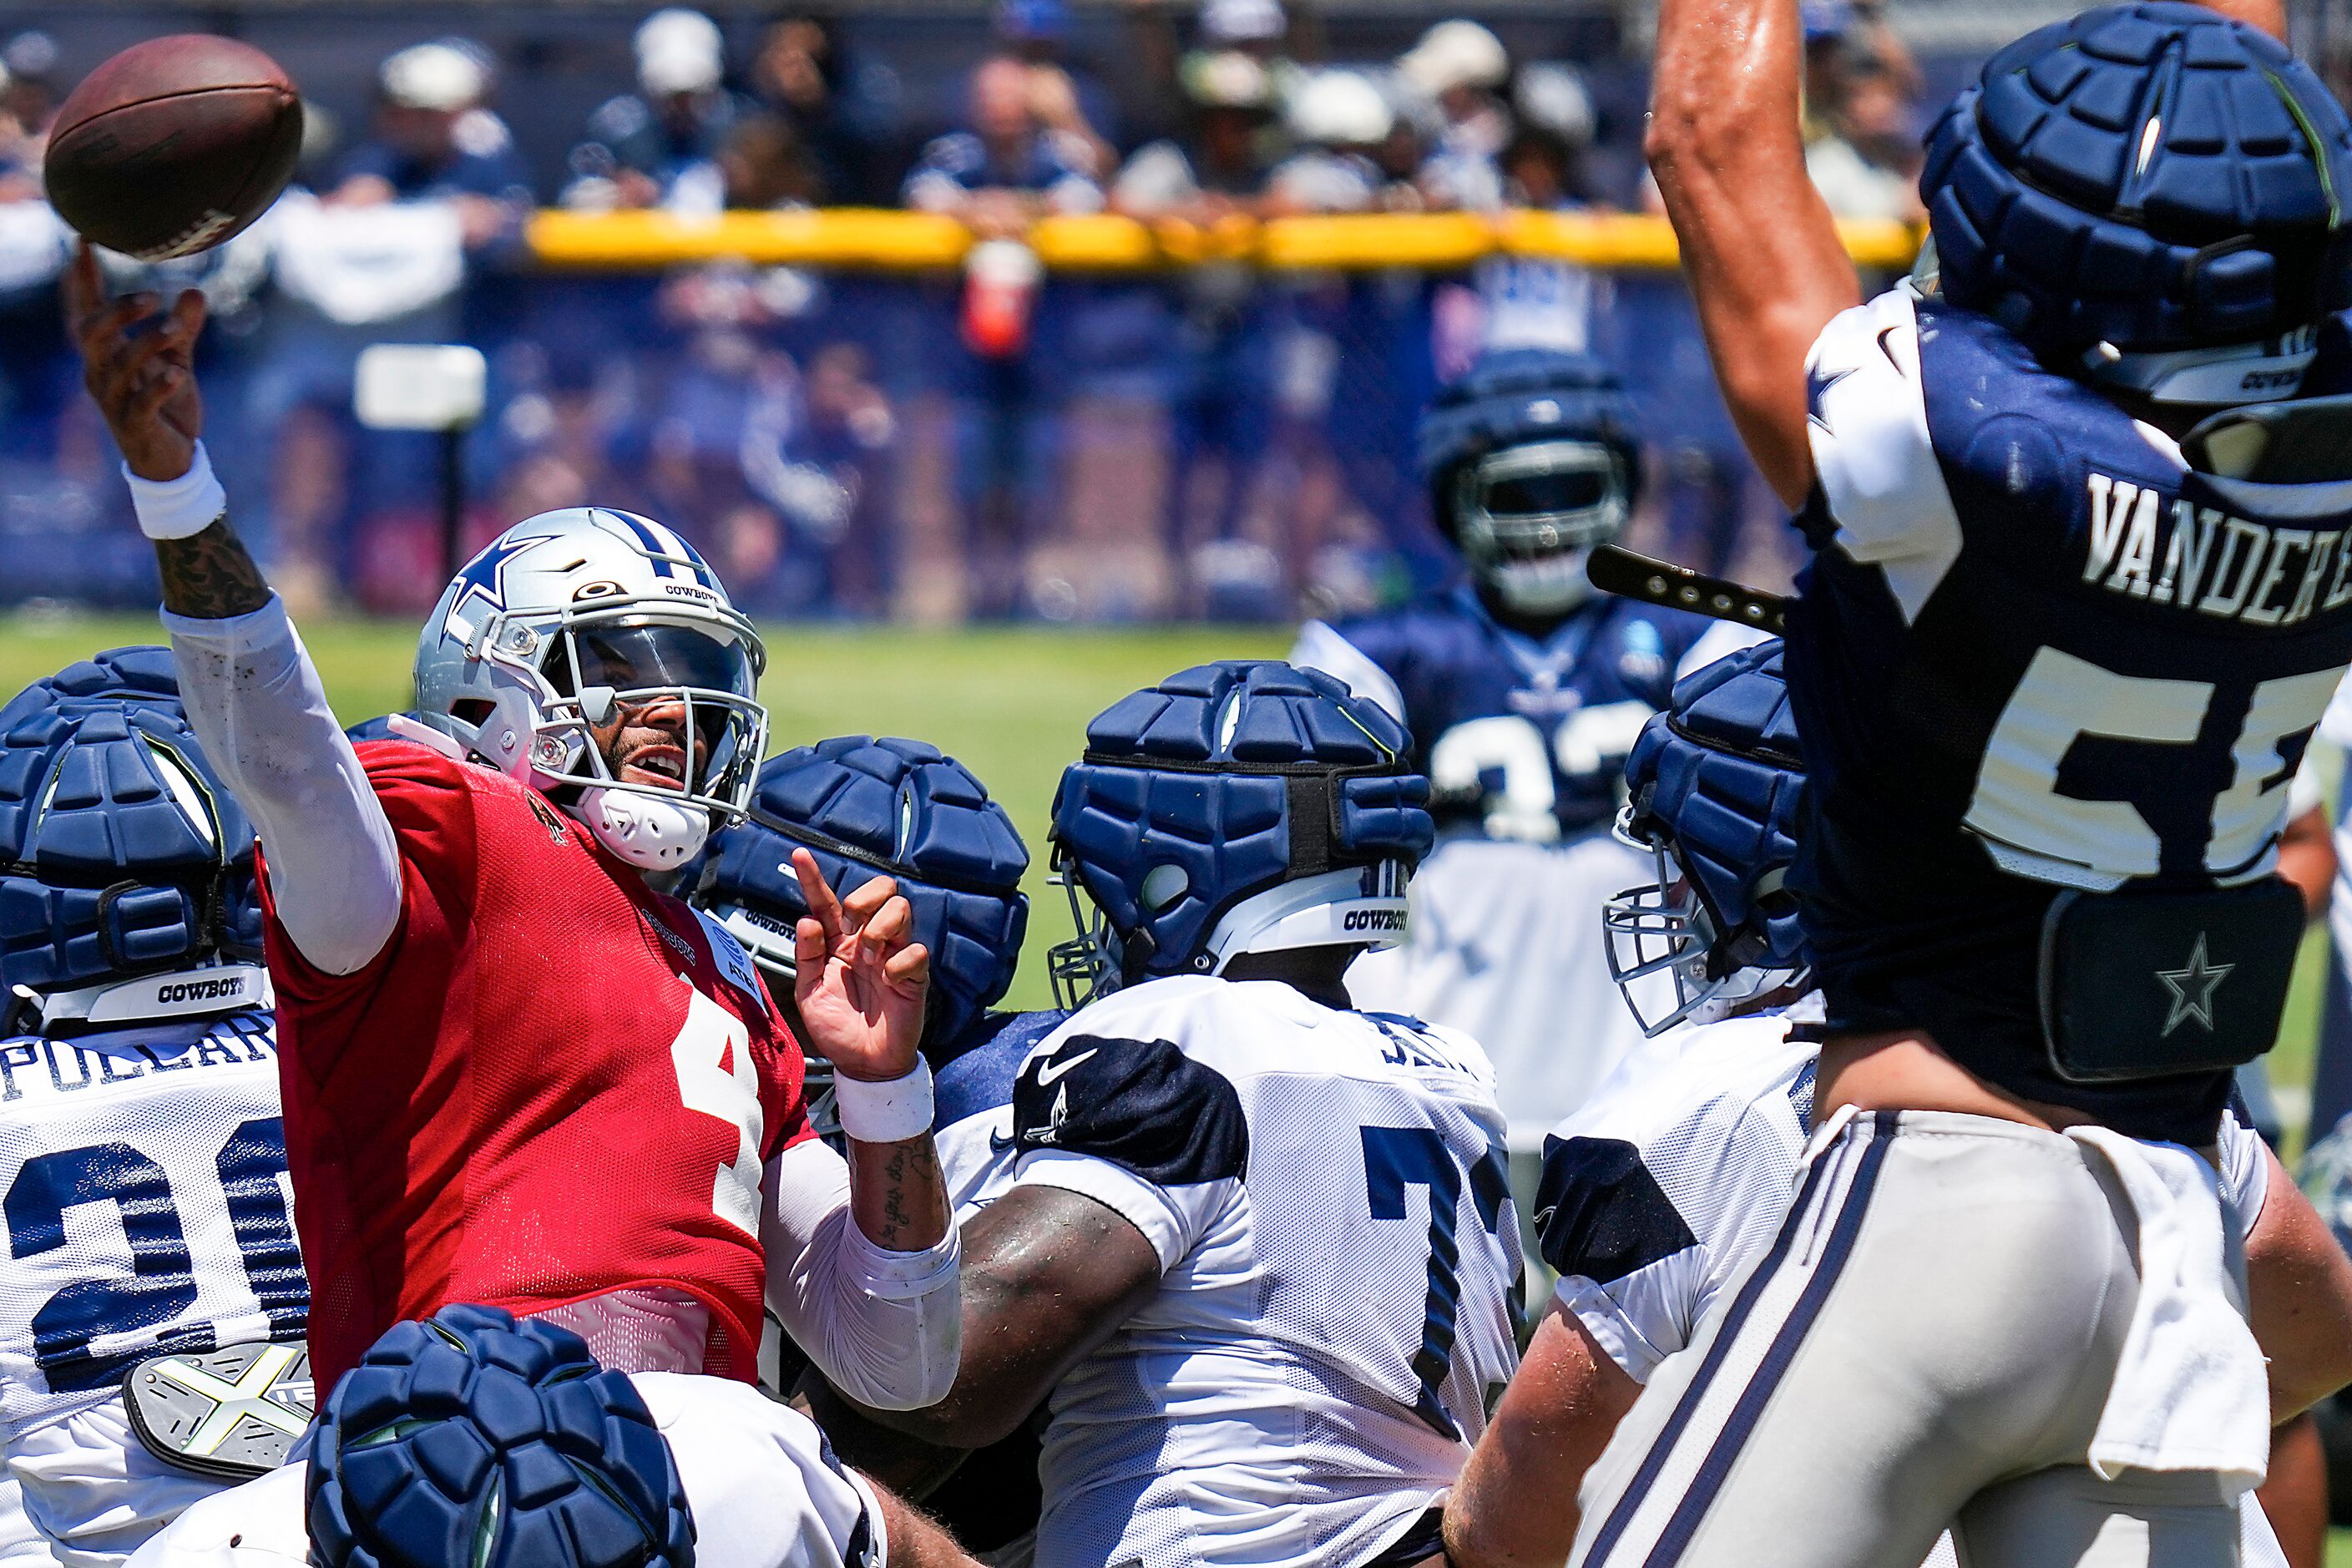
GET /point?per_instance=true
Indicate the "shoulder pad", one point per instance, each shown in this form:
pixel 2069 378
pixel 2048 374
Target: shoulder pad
pixel 1140 1104
pixel 1601 1214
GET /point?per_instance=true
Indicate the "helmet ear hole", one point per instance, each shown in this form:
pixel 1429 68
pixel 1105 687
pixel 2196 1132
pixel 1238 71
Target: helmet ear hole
pixel 1162 886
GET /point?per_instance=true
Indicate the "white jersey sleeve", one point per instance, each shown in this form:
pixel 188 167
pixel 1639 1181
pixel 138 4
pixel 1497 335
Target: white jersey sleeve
pixel 884 1328
pixel 1657 1193
pixel 255 700
pixel 1874 460
pixel 1320 646
pixel 762 1482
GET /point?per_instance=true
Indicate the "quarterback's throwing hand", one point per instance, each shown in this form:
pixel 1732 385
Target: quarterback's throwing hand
pixel 144 383
pixel 860 978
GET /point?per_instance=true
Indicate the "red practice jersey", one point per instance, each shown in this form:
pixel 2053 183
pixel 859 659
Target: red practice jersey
pixel 553 1083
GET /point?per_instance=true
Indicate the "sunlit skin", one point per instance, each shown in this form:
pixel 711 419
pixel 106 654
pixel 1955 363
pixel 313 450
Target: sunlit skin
pixel 645 744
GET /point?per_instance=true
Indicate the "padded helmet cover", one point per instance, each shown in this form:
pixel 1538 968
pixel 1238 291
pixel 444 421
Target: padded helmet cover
pixel 2154 176
pixel 1225 781
pixel 122 853
pixel 866 807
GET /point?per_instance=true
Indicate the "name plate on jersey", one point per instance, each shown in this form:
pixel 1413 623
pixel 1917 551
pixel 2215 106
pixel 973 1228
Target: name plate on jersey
pixel 2137 985
pixel 232 1414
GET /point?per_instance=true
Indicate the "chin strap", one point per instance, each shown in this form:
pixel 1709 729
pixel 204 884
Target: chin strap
pixel 648 832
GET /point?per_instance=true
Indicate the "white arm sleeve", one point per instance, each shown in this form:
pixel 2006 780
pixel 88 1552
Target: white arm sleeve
pixel 884 1328
pixel 255 701
pixel 1872 449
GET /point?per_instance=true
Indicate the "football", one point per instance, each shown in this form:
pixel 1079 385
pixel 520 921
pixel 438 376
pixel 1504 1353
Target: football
pixel 173 145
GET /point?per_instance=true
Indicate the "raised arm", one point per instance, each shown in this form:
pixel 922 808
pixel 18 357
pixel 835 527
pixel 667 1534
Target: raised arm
pixel 253 696
pixel 1759 250
pixel 863 1266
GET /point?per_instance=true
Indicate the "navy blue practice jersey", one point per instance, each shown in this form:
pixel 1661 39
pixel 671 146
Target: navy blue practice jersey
pixel 2034 650
pixel 1524 738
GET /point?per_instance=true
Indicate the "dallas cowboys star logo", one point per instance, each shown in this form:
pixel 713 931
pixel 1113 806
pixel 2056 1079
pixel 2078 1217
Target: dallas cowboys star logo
pixel 2192 988
pixel 1818 382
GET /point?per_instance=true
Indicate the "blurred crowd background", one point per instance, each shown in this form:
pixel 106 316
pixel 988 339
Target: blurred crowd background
pixel 1211 440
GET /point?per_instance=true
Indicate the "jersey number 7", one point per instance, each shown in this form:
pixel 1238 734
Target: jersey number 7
pixel 1396 1158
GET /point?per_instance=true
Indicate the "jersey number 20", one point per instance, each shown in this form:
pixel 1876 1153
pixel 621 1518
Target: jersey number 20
pixel 162 1283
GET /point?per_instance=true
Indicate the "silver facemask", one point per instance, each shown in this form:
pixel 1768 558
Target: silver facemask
pixel 1527 516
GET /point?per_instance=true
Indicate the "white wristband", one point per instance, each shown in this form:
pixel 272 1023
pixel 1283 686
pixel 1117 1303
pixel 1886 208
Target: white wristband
pixel 175 508
pixel 888 1112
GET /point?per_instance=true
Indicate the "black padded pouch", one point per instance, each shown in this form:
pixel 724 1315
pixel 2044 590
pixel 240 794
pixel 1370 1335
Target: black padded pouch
pixel 2140 985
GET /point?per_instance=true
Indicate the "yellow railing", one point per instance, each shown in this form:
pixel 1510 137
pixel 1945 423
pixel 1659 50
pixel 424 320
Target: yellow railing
pixel 869 237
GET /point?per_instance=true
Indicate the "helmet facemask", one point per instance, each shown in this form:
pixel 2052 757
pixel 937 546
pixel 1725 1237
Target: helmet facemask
pixel 591 667
pixel 1665 927
pixel 1527 516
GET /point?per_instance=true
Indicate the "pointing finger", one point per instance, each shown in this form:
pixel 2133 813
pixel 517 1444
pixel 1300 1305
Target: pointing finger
pixel 85 291
pixel 824 907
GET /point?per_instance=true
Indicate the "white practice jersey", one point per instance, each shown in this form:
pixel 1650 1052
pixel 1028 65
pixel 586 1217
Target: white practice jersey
pixel 761 1483
pixel 1675 1176
pixel 21 1546
pixel 1326 1194
pixel 144 1187
pixel 1503 943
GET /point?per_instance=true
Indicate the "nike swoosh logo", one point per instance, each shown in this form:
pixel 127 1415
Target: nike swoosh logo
pixel 1048 1071
pixel 998 1142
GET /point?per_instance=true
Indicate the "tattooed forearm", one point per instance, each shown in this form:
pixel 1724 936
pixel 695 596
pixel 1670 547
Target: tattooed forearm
pixel 900 1200
pixel 209 576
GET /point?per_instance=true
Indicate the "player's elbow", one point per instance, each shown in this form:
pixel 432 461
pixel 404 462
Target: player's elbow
pixel 1690 134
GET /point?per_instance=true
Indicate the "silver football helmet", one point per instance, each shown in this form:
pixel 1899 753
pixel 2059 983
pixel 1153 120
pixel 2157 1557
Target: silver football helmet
pixel 568 618
pixel 1528 517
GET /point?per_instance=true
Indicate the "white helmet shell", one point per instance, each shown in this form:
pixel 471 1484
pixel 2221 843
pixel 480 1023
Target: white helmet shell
pixel 508 667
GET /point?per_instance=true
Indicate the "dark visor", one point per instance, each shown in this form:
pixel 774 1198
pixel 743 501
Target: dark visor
pixel 634 658
pixel 1526 494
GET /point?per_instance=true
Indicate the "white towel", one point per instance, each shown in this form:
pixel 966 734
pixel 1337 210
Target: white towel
pixel 2190 1391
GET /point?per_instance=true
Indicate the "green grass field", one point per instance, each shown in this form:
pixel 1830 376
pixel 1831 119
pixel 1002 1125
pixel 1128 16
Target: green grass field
pixel 1013 704
pixel 1010 704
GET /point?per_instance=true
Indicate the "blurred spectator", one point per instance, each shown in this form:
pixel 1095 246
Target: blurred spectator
pixel 35 377
pixel 1068 97
pixel 1862 134
pixel 1229 152
pixel 1256 27
pixel 763 165
pixel 1012 166
pixel 842 105
pixel 1530 302
pixel 30 96
pixel 1338 121
pixel 436 139
pixel 1455 69
pixel 1867 166
pixel 659 145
